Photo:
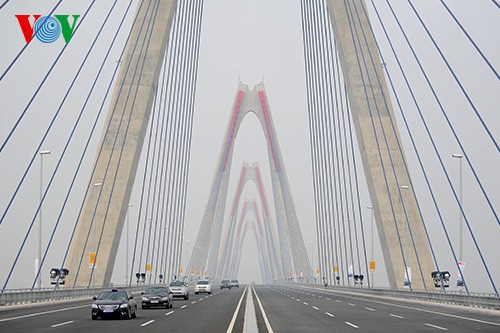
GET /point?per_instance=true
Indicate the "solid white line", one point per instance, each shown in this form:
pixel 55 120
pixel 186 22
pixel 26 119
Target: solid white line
pixel 315 308
pixel 147 323
pixel 268 325
pixel 61 324
pixel 184 306
pixel 250 319
pixel 395 316
pixel 233 320
pixel 42 313
pixel 369 309
pixel 329 314
pixel 438 327
pixel 351 324
pixel 169 313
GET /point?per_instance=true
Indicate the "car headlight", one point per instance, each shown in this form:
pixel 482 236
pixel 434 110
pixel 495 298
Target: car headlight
pixel 95 306
pixel 164 298
pixel 124 305
pixel 144 298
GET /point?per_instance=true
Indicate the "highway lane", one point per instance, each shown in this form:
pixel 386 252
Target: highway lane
pixel 277 308
pixel 201 313
pixel 315 310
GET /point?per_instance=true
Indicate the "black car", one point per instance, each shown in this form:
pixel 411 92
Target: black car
pixel 157 296
pixel 225 284
pixel 114 303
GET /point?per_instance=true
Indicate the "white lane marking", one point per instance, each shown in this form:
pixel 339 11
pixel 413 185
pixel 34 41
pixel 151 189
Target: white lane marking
pixel 293 297
pixel 42 313
pixel 193 302
pixel 315 308
pixel 147 323
pixel 268 325
pixel 369 309
pixel 306 303
pixel 438 327
pixel 417 309
pixel 395 316
pixel 184 306
pixel 250 319
pixel 298 300
pixel 169 313
pixel 351 304
pixel 206 296
pixel 338 301
pixel 320 296
pixel 329 314
pixel 61 324
pixel 351 324
pixel 233 320
pixel 327 298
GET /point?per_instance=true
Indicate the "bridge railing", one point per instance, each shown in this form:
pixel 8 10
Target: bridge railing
pixel 482 300
pixel 27 296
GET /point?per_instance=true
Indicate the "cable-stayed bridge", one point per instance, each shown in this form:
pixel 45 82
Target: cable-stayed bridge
pixel 401 107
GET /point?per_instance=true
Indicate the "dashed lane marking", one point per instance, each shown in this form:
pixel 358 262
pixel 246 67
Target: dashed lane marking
pixel 315 308
pixel 184 306
pixel 351 324
pixel 395 316
pixel 369 309
pixel 306 303
pixel 438 327
pixel 329 314
pixel 169 313
pixel 350 304
pixel 193 302
pixel 147 323
pixel 61 324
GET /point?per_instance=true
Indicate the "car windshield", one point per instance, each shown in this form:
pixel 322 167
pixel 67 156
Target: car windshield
pixel 225 281
pixel 176 284
pixel 202 282
pixel 235 281
pixel 156 291
pixel 113 295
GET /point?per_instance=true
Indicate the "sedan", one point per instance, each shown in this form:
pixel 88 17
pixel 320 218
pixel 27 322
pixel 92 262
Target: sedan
pixel 179 289
pixel 203 286
pixel 225 284
pixel 157 296
pixel 114 303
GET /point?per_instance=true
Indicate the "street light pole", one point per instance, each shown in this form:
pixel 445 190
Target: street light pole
pixel 406 233
pixel 39 280
pixel 460 216
pixel 93 229
pixel 371 219
pixel 126 245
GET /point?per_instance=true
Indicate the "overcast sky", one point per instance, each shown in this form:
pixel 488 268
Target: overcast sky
pixel 253 41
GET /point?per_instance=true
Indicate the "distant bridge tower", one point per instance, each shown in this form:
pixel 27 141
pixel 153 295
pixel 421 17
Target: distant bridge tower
pixel 207 246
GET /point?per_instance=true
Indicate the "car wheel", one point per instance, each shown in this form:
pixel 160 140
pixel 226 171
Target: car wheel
pixel 94 317
pixel 186 298
pixel 135 312
pixel 196 293
pixel 128 315
pixel 210 293
pixel 144 307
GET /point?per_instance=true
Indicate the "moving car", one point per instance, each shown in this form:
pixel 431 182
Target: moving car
pixel 225 284
pixel 203 286
pixel 114 303
pixel 179 289
pixel 235 283
pixel 157 296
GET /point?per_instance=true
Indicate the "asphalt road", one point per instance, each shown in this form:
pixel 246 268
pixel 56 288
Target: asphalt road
pixel 276 308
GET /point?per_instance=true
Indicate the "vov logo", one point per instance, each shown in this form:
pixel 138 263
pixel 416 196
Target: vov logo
pixel 47 29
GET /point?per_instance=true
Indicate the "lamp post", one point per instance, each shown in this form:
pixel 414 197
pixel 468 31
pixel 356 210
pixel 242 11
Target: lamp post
pixel 371 243
pixel 406 233
pixel 126 245
pixel 96 185
pixel 460 216
pixel 39 280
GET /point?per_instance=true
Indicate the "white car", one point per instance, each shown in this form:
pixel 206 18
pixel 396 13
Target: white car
pixel 203 286
pixel 179 289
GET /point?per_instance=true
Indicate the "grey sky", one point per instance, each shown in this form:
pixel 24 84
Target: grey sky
pixel 253 41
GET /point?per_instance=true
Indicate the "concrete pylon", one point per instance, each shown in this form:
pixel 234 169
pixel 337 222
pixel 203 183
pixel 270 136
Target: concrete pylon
pixel 139 73
pixel 289 234
pixel 378 136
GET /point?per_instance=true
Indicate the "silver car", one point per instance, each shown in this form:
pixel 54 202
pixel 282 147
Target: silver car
pixel 179 289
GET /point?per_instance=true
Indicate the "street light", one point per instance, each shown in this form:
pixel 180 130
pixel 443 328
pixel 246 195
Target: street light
pixel 406 233
pixel 39 280
pixel 126 245
pixel 96 185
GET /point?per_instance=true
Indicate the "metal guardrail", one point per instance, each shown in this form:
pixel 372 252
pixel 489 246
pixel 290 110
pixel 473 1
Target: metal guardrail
pixel 481 300
pixel 29 296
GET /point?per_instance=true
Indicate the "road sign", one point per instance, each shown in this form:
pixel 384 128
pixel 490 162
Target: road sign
pixel 373 265
pixel 317 271
pixel 335 268
pixel 148 268
pixel 92 260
